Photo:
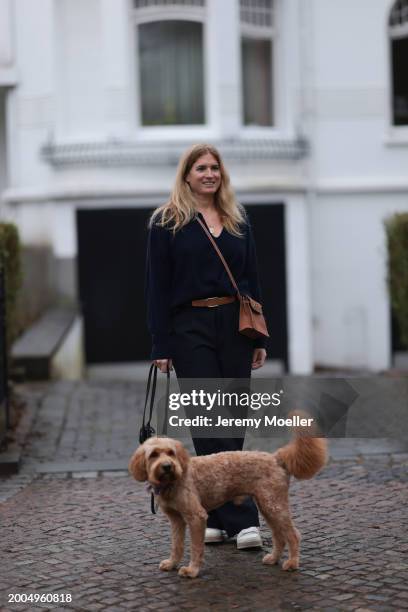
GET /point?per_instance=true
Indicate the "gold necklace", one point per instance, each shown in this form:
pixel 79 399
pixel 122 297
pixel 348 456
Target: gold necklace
pixel 211 228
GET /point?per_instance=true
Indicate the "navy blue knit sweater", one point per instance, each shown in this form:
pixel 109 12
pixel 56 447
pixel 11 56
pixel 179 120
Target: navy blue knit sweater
pixel 185 267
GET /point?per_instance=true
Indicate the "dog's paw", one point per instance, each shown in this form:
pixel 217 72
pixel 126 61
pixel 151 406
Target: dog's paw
pixel 188 572
pixel 291 564
pixel 166 565
pixel 270 559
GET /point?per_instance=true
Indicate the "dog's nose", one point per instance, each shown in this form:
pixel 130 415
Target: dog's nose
pixel 166 467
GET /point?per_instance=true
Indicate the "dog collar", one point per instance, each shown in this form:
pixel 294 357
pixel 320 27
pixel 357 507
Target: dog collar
pixel 158 489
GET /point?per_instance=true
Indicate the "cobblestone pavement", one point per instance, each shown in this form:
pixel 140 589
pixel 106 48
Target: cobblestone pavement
pixel 88 533
pixel 94 425
pixel 84 421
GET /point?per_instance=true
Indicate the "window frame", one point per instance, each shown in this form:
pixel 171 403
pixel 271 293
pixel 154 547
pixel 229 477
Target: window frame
pixel 177 131
pixel 280 126
pixel 397 134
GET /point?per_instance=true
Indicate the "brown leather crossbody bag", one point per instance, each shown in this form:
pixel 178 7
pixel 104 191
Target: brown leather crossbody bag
pixel 251 320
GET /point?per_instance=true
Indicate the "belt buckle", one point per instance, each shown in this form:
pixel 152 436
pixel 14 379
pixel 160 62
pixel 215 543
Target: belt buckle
pixel 212 305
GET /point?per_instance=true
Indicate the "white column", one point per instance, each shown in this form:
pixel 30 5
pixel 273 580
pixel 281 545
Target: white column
pixel 223 68
pixel 64 238
pixel 298 276
pixel 32 105
pixel 117 47
pixel 287 70
pixel 80 70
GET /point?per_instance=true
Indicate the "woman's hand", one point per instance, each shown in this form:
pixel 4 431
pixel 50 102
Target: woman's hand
pixel 258 358
pixel 163 364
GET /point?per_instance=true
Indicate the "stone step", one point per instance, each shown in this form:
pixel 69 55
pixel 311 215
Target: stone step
pixel 32 353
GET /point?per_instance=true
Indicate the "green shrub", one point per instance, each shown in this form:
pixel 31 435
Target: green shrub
pixel 397 239
pixel 10 262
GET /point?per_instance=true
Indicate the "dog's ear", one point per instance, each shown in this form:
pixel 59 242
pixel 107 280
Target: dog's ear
pixel 182 455
pixel 137 465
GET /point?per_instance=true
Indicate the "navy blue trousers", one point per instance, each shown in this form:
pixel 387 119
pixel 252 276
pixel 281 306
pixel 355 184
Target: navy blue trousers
pixel 206 344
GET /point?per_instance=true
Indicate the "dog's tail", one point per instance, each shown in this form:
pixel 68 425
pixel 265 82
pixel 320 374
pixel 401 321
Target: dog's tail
pixel 306 454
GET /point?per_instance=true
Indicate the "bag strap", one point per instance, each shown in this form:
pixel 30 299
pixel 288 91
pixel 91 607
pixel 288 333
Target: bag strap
pixel 211 239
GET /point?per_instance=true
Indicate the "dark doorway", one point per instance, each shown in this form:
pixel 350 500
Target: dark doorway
pixel 111 266
pixel 269 230
pixel 111 271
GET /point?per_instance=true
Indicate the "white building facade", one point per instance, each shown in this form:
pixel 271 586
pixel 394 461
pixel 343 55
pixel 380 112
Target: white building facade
pixel 306 100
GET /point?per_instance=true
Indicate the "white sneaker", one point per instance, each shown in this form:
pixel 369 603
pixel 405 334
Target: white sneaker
pixel 214 535
pixel 249 538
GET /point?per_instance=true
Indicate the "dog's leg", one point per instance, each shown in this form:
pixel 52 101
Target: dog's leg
pixel 293 539
pixel 178 529
pixel 285 529
pixel 197 529
pixel 278 544
pixel 278 538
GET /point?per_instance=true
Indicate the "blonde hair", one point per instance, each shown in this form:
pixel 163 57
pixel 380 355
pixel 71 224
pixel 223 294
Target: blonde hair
pixel 181 209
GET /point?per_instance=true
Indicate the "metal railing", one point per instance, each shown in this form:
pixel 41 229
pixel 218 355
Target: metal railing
pixel 4 404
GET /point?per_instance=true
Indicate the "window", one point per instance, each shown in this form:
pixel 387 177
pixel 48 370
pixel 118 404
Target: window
pixel 170 61
pixel 257 32
pixel 398 29
pixel 171 72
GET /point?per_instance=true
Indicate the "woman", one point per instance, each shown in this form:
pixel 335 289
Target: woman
pixel 193 312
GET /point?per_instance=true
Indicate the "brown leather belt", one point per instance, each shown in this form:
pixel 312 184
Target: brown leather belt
pixel 214 301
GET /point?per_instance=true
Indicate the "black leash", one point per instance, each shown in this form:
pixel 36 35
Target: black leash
pixel 147 430
pixel 153 507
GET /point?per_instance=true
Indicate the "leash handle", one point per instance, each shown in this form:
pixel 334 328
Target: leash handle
pixel 146 431
pixel 153 393
pixel 166 405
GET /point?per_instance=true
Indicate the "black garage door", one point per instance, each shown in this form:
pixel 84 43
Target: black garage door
pixel 111 268
pixel 269 231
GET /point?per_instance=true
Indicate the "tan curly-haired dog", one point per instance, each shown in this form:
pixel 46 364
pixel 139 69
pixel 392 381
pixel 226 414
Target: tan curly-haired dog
pixel 188 487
